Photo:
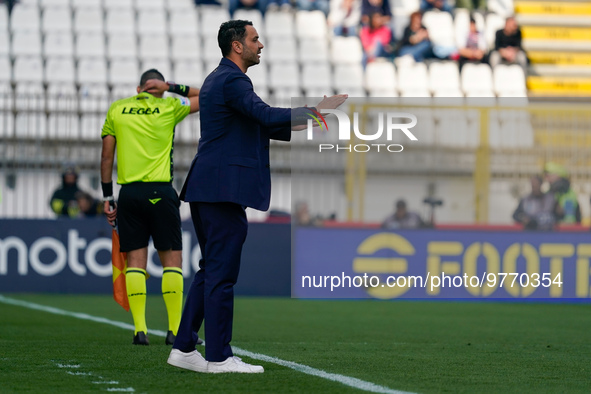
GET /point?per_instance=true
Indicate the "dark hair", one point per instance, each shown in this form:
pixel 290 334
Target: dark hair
pixel 231 31
pixel 151 74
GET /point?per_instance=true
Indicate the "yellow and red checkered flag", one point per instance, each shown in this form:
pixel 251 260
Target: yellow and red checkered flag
pixel 119 265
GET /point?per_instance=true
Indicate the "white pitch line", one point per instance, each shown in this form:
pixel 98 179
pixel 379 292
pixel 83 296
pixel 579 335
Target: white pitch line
pixel 343 379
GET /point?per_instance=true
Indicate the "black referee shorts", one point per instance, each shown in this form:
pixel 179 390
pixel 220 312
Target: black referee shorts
pixel 149 209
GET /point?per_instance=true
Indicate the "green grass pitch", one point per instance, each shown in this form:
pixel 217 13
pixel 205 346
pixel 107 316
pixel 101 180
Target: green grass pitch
pixel 416 346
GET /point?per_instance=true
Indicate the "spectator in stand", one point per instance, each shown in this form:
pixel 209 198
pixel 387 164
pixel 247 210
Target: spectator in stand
pixel 508 46
pixel 475 49
pixel 415 40
pixel 568 210
pixel 302 215
pixel 537 210
pixel 344 17
pixel 441 5
pixel 63 201
pixel 275 5
pixel 260 5
pixel 376 39
pixel 369 7
pixel 402 218
pixel 312 5
pixel 89 206
pixel 471 4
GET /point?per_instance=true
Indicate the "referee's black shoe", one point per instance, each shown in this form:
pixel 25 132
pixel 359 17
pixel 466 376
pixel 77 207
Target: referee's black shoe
pixel 170 337
pixel 141 339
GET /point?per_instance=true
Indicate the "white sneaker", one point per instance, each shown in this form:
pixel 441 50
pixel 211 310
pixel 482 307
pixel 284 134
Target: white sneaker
pixel 233 364
pixel 192 361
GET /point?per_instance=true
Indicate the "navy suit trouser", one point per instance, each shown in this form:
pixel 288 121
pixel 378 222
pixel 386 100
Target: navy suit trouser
pixel 221 230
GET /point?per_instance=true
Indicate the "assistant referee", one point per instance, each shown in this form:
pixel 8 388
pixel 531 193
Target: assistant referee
pixel 142 129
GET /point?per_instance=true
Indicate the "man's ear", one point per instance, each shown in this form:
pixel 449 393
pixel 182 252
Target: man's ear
pixel 139 90
pixel 237 46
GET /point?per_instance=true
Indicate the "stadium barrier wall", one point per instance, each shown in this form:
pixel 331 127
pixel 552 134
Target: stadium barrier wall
pixel 74 256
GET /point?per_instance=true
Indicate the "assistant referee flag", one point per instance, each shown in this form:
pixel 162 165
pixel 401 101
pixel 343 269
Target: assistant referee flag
pixel 119 261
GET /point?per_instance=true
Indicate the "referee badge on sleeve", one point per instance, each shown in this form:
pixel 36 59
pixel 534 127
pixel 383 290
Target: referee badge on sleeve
pixel 185 101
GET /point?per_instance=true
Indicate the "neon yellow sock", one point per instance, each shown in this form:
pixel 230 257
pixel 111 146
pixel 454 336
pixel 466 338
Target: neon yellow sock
pixel 135 280
pixel 172 292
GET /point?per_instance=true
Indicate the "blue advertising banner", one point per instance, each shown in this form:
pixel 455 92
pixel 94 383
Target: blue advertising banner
pixel 367 263
pixel 74 256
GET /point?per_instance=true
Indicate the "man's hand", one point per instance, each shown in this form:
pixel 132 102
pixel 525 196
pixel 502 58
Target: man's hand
pixel 155 86
pixel 331 102
pixel 110 211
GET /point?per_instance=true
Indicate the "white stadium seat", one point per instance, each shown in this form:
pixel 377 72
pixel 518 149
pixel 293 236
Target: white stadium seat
pixel 88 20
pixel 28 69
pixel 62 97
pixel 6 124
pixel 118 4
pixel 25 18
pixel 58 44
pixel 477 80
pixel 94 97
pixel 30 96
pixel 346 50
pixel 441 28
pixel 380 76
pixel 348 77
pixel 279 24
pixel 153 47
pixel 188 73
pixel 211 19
pixel 183 23
pixel 494 23
pixel 63 126
pixel 162 65
pixel 81 4
pixel 150 22
pixel 122 91
pixel 259 77
pixel 57 19
pixel 316 77
pixel 120 21
pixel 462 25
pixel 280 50
pixel 404 7
pixel 90 45
pixel 504 8
pixel 152 5
pixel 26 43
pixel 175 5
pixel 91 126
pixel 3 20
pixel 31 125
pixel 92 71
pixel 284 77
pixel 124 71
pixel 254 16
pixel 54 3
pixel 122 46
pixel 413 79
pixel 60 70
pixel 509 81
pixel 5 69
pixel 313 51
pixel 186 47
pixel 4 44
pixel 444 79
pixel 311 24
pixel 211 50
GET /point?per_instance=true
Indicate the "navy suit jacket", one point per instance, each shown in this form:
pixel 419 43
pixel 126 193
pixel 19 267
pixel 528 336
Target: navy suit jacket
pixel 232 161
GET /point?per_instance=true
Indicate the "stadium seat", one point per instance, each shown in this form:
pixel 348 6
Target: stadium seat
pixel 122 46
pixel 120 21
pixel 48 4
pixel 24 18
pixel 4 44
pixel 90 45
pixel 92 71
pixel 444 79
pixel 58 44
pixel 91 126
pixel 88 20
pixel 30 96
pixel 494 23
pixel 30 125
pixel 152 23
pixel 175 5
pixel 477 80
pixel 400 22
pixel 81 4
pixel 186 47
pixel 211 19
pixel 311 24
pixel 462 25
pixel 118 4
pixel 316 79
pixel 26 43
pixel 93 97
pixel 284 77
pixel 162 65
pixel 60 70
pixel 3 20
pixel 5 69
pixel 404 7
pixel 6 124
pixel 259 76
pixel 311 50
pixel 152 5
pixel 62 97
pixel 509 81
pixel 503 8
pixel 123 91
pixel 346 50
pixel 183 23
pixel 380 76
pixel 57 19
pixel 348 78
pixel 210 66
pixel 254 16
pixel 62 126
pixel 188 73
pixel 280 50
pixel 28 69
pixel 413 79
pixel 440 27
pixel 279 24
pixel 188 130
pixel 451 128
pixel 211 51
pixel 124 71
pixel 153 46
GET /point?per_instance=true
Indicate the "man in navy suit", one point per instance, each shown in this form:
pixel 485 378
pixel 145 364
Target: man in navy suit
pixel 229 173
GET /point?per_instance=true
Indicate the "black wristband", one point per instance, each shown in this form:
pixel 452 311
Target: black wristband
pixel 182 90
pixel 107 189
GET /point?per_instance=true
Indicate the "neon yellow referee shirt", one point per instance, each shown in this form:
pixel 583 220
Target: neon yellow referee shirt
pixel 143 126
